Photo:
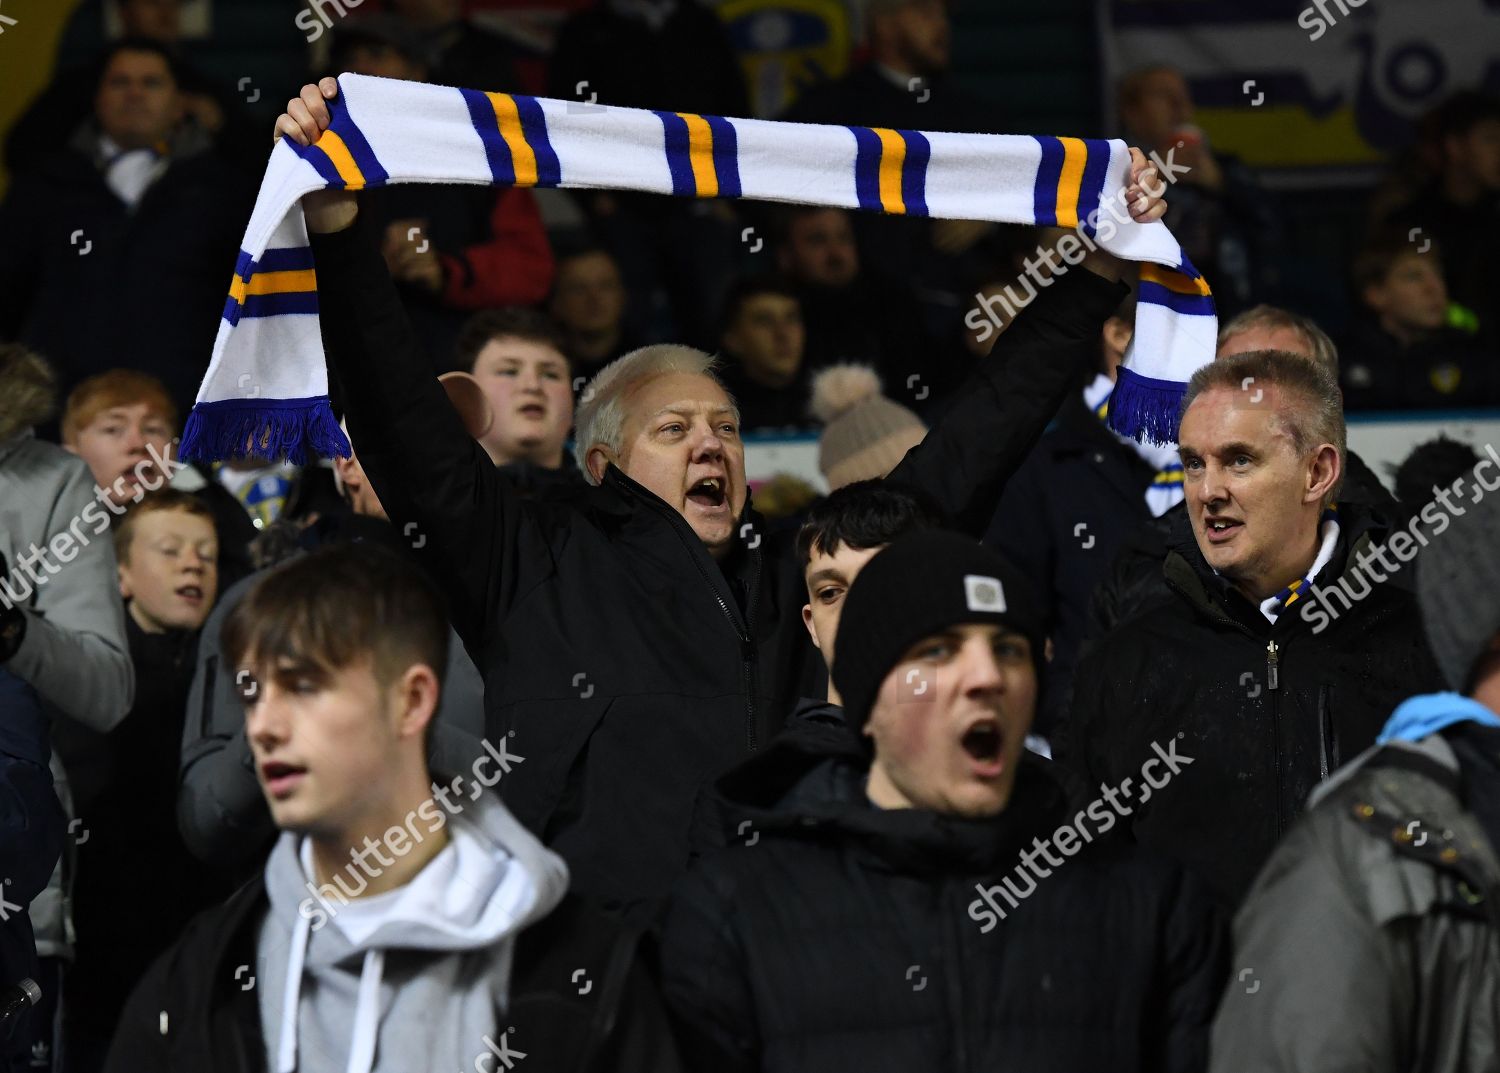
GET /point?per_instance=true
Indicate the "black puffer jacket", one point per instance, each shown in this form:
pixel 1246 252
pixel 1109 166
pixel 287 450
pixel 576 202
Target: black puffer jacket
pixel 624 664
pixel 1264 711
pixel 838 936
pixel 193 1014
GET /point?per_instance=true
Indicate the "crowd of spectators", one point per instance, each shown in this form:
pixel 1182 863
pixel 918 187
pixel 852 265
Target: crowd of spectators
pixel 714 846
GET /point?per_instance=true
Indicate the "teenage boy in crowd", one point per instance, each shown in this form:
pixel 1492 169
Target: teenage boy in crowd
pixel 220 809
pixel 843 930
pixel 458 943
pixel 516 356
pixel 638 638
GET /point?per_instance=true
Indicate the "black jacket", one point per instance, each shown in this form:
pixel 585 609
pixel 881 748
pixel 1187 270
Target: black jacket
pixel 1264 711
pixel 192 1014
pixel 834 935
pixel 1446 370
pixel 94 285
pixel 627 665
pixel 1078 498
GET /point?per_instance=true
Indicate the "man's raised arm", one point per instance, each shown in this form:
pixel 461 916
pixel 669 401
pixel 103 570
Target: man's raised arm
pixel 437 485
pixel 1004 406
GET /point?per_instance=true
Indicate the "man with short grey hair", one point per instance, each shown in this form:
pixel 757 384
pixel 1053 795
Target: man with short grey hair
pixel 1284 645
pixel 643 633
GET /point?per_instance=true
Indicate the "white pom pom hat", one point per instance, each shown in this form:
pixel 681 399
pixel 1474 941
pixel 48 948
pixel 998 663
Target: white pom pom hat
pixel 865 434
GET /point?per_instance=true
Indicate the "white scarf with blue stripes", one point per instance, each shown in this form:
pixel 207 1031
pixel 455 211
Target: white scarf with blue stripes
pixel 266 390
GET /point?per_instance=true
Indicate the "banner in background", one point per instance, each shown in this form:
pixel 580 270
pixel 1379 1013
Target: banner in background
pixel 1309 85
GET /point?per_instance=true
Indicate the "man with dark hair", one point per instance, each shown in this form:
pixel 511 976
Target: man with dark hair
pixel 842 931
pixel 1390 880
pixel 1406 351
pixel 1283 646
pixel 849 311
pixel 1226 223
pixel 116 246
pixel 588 305
pixel 763 340
pixel 458 940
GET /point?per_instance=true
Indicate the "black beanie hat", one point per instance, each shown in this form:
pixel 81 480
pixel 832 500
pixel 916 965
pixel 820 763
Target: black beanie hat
pixel 920 585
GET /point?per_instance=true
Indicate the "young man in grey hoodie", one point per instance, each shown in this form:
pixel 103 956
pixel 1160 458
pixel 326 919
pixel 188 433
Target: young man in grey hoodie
pixel 403 923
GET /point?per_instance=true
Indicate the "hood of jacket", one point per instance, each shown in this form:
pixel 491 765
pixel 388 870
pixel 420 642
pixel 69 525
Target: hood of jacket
pixel 810 783
pixel 475 897
pixel 28 391
pixel 1420 716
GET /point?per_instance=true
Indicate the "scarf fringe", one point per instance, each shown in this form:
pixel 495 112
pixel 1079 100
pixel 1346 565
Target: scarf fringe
pixel 272 429
pixel 1145 408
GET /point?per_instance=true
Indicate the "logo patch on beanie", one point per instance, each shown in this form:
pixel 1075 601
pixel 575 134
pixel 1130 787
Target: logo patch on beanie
pixel 984 594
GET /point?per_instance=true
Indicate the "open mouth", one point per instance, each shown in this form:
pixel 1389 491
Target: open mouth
pixel 1219 530
pixel 281 778
pixel 709 493
pixel 190 593
pixel 984 742
pixel 533 410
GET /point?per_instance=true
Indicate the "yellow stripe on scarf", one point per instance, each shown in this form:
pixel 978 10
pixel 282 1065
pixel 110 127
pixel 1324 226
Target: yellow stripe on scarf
pixel 892 160
pixel 508 118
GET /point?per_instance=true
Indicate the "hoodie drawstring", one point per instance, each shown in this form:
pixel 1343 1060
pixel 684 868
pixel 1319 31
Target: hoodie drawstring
pixel 366 1014
pixel 366 1008
pixel 286 1055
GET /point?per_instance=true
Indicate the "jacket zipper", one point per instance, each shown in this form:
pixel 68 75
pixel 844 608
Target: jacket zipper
pixel 1273 686
pixel 954 943
pixel 747 644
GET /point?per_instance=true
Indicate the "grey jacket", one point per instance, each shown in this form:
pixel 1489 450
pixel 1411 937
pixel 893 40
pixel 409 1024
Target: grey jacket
pixel 1371 939
pixel 220 811
pixel 74 654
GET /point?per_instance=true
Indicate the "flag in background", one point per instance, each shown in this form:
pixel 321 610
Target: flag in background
pixel 1342 85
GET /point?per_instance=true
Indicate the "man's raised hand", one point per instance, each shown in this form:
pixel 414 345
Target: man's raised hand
pixel 304 121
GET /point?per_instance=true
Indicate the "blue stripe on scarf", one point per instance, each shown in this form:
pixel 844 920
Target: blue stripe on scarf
pixel 867 168
pixel 279 428
pixel 1048 172
pixel 270 305
pixel 914 172
pixel 1095 171
pixel 320 162
pixel 679 161
pixel 358 145
pixel 1156 294
pixel 534 130
pixel 283 259
pixel 496 152
pixel 726 155
pixel 1145 408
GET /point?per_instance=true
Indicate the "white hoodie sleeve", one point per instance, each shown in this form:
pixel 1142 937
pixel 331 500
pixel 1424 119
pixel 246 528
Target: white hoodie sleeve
pixel 75 654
